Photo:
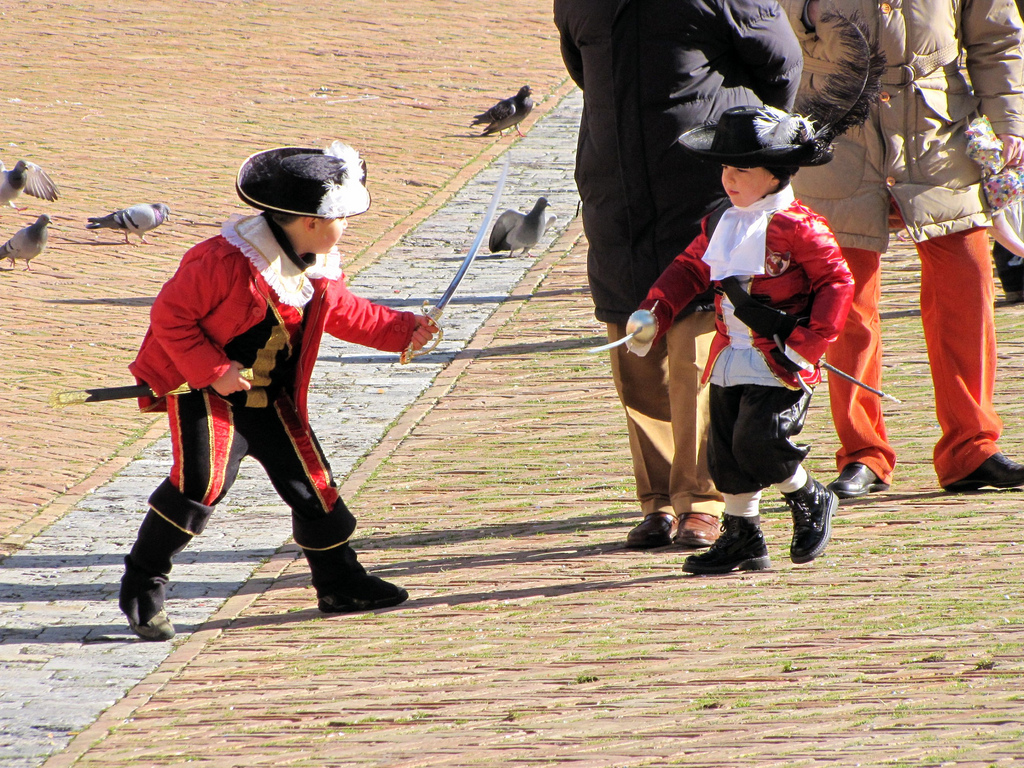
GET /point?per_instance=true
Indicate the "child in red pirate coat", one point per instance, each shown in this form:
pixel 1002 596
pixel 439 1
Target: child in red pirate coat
pixel 240 323
pixel 782 294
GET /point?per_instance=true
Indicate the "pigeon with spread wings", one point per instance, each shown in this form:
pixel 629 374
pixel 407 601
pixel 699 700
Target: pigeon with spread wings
pixel 28 178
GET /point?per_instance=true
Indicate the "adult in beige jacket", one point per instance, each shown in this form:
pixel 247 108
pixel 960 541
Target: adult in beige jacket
pixel 909 161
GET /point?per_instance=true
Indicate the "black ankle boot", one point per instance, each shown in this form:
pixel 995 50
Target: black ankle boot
pixel 740 547
pixel 146 571
pixel 148 566
pixel 343 585
pixel 812 507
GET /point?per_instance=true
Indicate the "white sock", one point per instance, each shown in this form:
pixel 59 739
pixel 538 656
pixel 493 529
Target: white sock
pixel 795 483
pixel 742 504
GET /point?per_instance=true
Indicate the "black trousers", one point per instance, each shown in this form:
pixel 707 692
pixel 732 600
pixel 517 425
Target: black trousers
pixel 749 442
pixel 209 439
pixel 1010 278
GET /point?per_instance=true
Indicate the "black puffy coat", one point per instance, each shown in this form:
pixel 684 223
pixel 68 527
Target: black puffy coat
pixel 650 70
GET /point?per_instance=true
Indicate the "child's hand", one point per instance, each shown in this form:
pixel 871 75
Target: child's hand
pixel 232 380
pixel 425 330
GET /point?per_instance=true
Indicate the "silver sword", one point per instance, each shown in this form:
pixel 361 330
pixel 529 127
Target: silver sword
pixel 435 312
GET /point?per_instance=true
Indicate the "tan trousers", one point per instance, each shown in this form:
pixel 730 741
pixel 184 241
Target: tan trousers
pixel 667 417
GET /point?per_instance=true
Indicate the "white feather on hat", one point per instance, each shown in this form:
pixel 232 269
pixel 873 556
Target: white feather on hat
pixel 777 128
pixel 350 197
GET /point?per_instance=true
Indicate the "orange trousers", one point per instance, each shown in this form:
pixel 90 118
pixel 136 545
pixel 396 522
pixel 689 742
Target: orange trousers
pixel 959 329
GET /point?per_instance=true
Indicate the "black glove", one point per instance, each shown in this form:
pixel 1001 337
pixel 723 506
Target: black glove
pixel 779 357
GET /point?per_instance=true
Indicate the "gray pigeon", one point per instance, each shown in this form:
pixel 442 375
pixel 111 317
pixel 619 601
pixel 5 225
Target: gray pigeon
pixel 507 113
pixel 25 177
pixel 139 219
pixel 515 231
pixel 27 243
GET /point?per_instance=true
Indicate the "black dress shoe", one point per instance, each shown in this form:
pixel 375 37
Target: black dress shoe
pixel 856 480
pixel 996 471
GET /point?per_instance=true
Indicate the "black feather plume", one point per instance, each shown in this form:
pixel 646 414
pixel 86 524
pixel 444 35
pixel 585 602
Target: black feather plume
pixel 847 95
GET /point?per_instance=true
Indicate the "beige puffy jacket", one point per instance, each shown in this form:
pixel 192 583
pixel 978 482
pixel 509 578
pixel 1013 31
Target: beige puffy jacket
pixel 913 146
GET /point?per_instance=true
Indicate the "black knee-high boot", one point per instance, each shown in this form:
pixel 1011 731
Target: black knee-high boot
pixel 148 565
pixel 343 585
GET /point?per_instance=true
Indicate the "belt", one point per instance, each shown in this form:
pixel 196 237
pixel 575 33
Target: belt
pixel 903 75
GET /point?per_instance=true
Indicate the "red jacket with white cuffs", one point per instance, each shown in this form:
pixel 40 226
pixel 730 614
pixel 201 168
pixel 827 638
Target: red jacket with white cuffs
pixel 217 294
pixel 805 275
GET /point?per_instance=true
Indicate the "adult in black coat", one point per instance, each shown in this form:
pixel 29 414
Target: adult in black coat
pixel 651 70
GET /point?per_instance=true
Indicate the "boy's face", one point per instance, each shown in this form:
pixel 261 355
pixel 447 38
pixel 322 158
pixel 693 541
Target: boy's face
pixel 746 186
pixel 323 234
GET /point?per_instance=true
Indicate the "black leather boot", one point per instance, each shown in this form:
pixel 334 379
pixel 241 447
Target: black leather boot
pixel 343 585
pixel 739 547
pixel 812 507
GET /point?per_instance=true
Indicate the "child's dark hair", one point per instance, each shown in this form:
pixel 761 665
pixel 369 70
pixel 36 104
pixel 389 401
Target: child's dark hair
pixel 783 173
pixel 282 219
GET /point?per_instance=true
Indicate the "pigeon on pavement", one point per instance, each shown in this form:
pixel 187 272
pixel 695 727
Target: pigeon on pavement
pixel 507 113
pixel 25 177
pixel 139 219
pixel 27 243
pixel 516 231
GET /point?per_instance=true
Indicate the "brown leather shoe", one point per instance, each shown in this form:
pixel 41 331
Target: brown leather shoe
pixel 656 530
pixel 697 530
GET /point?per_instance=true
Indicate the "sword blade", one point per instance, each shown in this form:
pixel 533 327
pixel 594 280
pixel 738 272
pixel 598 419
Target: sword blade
pixel 475 247
pixel 610 345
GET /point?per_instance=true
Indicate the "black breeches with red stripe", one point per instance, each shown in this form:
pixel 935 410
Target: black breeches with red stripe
pixel 209 439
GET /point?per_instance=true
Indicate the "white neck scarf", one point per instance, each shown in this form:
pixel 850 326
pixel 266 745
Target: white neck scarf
pixel 737 244
pixel 252 236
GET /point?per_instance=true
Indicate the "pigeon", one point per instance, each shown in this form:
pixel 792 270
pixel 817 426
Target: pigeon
pixel 25 177
pixel 507 113
pixel 516 231
pixel 139 218
pixel 27 243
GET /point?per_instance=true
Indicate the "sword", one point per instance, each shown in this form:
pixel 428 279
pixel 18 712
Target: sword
pixel 858 382
pixel 102 394
pixel 435 312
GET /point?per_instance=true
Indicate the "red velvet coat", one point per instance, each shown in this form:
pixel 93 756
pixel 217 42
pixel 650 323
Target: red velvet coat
pixel 217 294
pixel 805 273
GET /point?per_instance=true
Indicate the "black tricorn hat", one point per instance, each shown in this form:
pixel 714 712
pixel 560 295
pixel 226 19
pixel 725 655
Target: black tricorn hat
pixel 755 137
pixel 328 183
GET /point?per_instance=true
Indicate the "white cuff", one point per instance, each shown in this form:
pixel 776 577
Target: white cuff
pixel 793 355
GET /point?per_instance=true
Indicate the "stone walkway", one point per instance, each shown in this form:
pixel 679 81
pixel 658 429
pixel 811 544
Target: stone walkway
pixel 490 478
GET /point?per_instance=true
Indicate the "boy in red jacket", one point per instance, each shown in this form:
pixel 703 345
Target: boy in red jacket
pixel 782 294
pixel 240 323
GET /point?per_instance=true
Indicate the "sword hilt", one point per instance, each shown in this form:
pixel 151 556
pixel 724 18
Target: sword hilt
pixel 433 314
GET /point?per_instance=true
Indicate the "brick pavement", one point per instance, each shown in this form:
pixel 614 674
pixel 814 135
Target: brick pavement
pixel 500 500
pixel 161 101
pixel 532 637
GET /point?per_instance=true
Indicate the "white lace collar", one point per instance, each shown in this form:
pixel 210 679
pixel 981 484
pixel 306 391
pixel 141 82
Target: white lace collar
pixel 252 236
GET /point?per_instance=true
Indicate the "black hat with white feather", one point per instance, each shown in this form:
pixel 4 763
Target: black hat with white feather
pixel 327 183
pixel 762 136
